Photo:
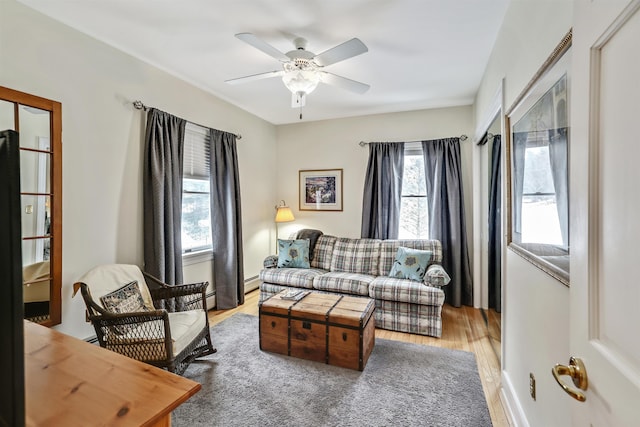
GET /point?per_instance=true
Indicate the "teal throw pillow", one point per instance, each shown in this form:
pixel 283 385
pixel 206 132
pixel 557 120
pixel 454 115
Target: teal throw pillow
pixel 293 253
pixel 410 264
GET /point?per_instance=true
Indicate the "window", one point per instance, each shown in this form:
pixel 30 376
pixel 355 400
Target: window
pixel 196 206
pixel 414 213
pixel 540 221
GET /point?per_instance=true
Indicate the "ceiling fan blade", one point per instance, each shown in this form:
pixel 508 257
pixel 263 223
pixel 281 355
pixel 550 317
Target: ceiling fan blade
pixel 263 46
pixel 341 52
pixel 253 77
pixel 344 83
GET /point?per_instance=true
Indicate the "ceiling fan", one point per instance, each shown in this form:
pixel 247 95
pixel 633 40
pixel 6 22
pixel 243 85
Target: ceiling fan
pixel 302 70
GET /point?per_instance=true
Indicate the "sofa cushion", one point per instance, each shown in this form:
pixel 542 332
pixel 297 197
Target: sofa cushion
pixel 356 256
pixel 293 253
pixel 403 290
pixel 344 283
pixel 410 264
pixel 323 251
pixel 389 248
pixel 297 277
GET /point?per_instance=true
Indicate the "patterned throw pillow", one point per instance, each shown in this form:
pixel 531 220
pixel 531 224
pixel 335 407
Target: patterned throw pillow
pixel 293 253
pixel 126 299
pixel 410 264
pixel 437 276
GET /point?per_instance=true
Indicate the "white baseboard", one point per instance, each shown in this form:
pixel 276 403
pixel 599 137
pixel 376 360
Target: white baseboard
pixel 252 283
pixel 512 403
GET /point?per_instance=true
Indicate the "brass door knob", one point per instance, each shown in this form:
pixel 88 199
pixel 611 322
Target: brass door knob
pixel 578 374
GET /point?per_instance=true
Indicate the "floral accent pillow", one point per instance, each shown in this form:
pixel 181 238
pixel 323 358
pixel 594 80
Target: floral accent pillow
pixel 293 253
pixel 410 264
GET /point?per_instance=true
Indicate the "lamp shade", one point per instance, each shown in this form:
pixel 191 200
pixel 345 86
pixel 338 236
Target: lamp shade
pixel 284 214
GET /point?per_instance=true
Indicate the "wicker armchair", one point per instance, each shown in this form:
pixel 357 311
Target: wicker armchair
pixel 170 327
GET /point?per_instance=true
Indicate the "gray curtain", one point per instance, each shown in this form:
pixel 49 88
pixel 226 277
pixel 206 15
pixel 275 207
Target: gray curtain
pixel 162 188
pixel 495 227
pixel 226 221
pixel 446 215
pixel 519 149
pixel 558 158
pixel 383 191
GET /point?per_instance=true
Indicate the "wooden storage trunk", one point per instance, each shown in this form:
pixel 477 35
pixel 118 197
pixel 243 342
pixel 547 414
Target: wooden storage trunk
pixel 335 329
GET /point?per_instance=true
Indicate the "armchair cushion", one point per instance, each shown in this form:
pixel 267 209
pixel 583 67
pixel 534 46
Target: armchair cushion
pixel 185 327
pixel 138 343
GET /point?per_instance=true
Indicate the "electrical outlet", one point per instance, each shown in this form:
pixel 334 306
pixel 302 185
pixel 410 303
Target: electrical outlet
pixel 532 385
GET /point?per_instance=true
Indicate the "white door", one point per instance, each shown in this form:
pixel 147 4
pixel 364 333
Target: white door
pixel 605 211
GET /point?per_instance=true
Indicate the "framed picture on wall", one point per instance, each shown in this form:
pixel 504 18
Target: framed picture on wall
pixel 320 190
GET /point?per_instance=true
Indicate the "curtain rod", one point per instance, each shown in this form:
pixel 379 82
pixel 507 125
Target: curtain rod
pixel 363 143
pixel 138 105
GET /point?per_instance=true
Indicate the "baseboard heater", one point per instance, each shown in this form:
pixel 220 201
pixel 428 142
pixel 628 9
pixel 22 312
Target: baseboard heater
pixel 249 285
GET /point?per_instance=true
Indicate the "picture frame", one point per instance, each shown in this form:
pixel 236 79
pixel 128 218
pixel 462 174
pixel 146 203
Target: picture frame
pixel 320 190
pixel 538 139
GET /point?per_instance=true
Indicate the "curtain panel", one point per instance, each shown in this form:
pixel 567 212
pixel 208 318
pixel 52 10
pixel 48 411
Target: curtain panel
pixel 519 150
pixel 383 191
pixel 558 153
pixel 495 227
pixel 445 199
pixel 162 195
pixel 226 221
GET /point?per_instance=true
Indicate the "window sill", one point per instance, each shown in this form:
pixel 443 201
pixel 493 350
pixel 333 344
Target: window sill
pixel 190 258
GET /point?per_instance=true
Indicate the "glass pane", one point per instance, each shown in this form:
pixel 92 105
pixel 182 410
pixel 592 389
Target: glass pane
pixel 414 218
pixel 537 171
pixel 36 301
pixel 413 178
pixel 36 216
pixel 7 116
pixel 196 222
pixel 35 173
pixel 540 222
pixel 35 251
pixel 35 128
pixel 198 185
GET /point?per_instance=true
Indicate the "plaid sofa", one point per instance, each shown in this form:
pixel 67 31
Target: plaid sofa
pixel 361 267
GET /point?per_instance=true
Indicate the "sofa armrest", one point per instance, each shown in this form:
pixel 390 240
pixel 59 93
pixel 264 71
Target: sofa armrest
pixel 436 276
pixel 270 262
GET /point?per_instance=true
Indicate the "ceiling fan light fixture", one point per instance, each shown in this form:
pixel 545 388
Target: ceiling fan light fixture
pixel 301 81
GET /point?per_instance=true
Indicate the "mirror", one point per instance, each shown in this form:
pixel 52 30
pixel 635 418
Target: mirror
pixel 539 168
pixel 38 122
pixel 491 223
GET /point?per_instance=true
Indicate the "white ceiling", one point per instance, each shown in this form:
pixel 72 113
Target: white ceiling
pixel 422 53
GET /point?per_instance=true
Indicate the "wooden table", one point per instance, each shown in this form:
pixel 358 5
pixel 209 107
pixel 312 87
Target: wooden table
pixel 69 382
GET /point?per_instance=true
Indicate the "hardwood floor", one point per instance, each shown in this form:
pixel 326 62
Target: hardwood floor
pixel 463 329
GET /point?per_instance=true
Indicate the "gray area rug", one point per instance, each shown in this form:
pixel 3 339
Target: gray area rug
pixel 402 385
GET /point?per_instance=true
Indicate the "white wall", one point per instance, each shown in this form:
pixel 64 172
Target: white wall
pixel 535 329
pixel 333 144
pixel 102 143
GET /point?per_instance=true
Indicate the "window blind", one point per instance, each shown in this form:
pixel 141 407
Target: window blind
pixel 196 152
